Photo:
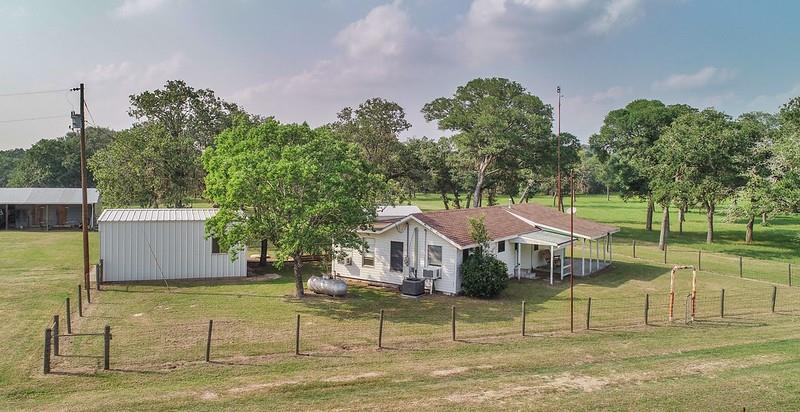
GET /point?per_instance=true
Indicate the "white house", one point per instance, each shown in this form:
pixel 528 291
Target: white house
pixel 162 244
pixel 531 239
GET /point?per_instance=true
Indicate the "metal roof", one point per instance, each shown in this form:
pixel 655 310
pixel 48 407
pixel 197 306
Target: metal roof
pixel 543 237
pixel 46 196
pixel 397 211
pixel 156 215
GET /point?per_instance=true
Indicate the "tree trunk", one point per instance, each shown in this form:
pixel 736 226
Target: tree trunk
pixel 492 196
pixel 748 237
pixel 262 260
pixel 664 235
pixel 526 193
pixel 681 218
pixel 445 200
pixel 478 192
pixel 608 193
pixel 511 198
pixel 764 218
pixel 457 198
pixel 710 219
pixel 298 275
pixel 648 226
pixel 469 200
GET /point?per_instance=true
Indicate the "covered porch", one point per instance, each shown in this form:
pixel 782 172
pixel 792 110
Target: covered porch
pixel 546 253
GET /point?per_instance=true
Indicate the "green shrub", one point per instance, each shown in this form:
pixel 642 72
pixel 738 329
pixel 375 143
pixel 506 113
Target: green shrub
pixel 483 276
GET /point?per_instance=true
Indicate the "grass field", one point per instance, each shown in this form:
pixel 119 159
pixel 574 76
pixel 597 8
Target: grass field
pixel 750 358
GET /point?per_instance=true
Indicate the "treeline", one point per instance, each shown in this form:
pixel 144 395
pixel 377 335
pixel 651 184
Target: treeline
pixel 500 142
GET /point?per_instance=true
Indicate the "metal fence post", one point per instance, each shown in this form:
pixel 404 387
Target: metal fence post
pixel 47 336
pixel 80 302
pixel 89 294
pixel 55 335
pixel 453 321
pixel 297 336
pixel 523 317
pixel 665 253
pixel 646 307
pixel 741 269
pixel 722 303
pixel 380 332
pixel 69 317
pixel 107 348
pixel 699 259
pixel 774 297
pixel 790 274
pixel 208 341
pixel 634 249
pixel 588 312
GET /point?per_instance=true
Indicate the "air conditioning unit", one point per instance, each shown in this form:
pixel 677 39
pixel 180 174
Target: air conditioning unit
pixel 431 273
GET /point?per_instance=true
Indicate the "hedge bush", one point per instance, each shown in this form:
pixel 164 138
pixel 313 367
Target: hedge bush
pixel 483 276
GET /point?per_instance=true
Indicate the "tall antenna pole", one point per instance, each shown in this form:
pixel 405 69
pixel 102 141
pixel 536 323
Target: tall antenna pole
pixel 84 195
pixel 560 202
pixel 572 252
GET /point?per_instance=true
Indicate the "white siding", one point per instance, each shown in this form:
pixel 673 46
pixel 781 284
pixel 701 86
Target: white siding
pixel 134 251
pixel 449 283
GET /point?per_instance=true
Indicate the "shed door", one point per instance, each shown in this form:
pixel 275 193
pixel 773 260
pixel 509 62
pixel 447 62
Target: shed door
pixel 396 261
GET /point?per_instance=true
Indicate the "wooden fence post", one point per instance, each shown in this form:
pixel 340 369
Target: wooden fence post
pixel 107 348
pixel 380 332
pixel 208 341
pixel 69 318
pixel 55 335
pixel 297 336
pixel 634 249
pixel 646 307
pixel 699 259
pixel 80 302
pixel 722 303
pixel 47 336
pixel 588 312
pixel 774 297
pixel 524 314
pixel 741 269
pixel 89 294
pixel 99 273
pixel 453 321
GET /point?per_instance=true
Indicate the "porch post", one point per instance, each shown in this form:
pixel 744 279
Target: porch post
pixel 6 215
pixel 597 249
pixel 551 264
pixel 590 256
pixel 47 217
pixel 563 259
pixel 583 257
pixel 605 246
pixel 519 259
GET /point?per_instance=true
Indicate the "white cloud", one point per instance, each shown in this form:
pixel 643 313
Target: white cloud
pixel 130 74
pixel 494 28
pixel 704 77
pixel 771 103
pixel 134 8
pixel 384 31
pixel 611 94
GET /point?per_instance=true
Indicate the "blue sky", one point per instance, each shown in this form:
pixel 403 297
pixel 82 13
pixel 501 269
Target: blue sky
pixel 305 60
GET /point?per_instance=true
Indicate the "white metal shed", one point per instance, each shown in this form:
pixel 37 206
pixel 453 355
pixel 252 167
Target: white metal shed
pixel 157 244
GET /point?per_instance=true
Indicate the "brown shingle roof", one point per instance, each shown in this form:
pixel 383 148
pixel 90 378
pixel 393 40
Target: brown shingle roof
pixel 547 217
pixel 454 223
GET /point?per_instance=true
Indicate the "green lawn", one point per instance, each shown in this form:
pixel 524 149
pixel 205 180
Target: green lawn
pixel 159 343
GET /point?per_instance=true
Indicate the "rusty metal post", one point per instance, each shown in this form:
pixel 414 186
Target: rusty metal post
pixel 297 336
pixel 774 297
pixel 634 249
pixel 47 337
pixel 380 331
pixel 453 321
pixel 55 335
pixel 80 302
pixel 69 317
pixel 722 303
pixel 646 308
pixel 588 312
pixel 107 348
pixel 208 341
pixel 524 315
pixel 741 268
pixel 699 259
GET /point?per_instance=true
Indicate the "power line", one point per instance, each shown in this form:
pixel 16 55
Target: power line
pixel 91 116
pixel 60 116
pixel 34 92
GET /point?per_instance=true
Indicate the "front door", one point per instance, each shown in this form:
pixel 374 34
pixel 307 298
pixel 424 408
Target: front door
pixel 396 258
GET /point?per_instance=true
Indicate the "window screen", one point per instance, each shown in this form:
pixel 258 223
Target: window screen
pixel 434 255
pixel 368 256
pixel 501 246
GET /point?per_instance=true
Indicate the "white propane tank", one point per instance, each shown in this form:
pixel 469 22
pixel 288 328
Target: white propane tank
pixel 327 286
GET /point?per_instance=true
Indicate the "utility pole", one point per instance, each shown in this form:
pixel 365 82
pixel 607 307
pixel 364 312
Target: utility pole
pixel 84 190
pixel 572 253
pixel 560 201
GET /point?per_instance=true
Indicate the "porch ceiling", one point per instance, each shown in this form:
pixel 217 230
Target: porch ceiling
pixel 543 237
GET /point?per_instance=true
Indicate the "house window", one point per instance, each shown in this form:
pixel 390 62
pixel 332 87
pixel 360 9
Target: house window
pixel 368 257
pixel 434 255
pixel 501 246
pixel 396 256
pixel 535 247
pixel 215 245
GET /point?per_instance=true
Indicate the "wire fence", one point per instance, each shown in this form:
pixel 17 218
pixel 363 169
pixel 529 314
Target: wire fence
pixel 143 343
pixel 772 271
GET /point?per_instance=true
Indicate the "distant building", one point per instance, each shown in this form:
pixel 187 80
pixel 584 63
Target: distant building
pixel 45 208
pixel 163 244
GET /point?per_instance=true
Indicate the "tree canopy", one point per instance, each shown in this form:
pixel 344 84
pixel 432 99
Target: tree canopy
pixel 303 189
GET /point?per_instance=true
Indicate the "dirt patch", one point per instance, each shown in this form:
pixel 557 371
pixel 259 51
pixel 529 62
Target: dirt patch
pixel 449 372
pixel 264 277
pixel 209 396
pixel 258 386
